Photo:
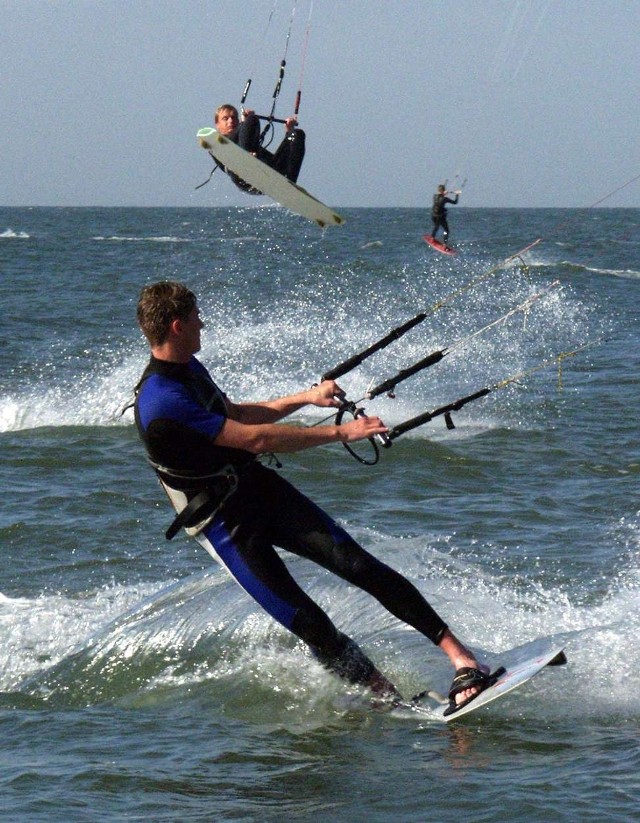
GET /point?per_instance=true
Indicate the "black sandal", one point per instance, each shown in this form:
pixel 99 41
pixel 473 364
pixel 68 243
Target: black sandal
pixel 466 678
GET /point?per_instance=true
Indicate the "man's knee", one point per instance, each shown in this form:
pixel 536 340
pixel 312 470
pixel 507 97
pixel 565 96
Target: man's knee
pixel 249 133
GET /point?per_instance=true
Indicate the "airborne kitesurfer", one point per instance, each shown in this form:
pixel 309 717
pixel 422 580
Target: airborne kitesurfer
pixel 288 157
pixel 439 212
pixel 204 448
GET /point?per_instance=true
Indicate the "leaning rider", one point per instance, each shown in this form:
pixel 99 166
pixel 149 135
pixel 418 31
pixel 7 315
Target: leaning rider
pixel 204 448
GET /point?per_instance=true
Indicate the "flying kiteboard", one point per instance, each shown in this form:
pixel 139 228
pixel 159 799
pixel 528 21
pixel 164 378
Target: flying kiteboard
pixel 265 179
pixel 438 246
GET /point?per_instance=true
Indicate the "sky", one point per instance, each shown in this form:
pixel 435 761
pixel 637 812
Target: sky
pixel 525 103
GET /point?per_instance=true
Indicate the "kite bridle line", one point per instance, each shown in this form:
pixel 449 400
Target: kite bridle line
pixel 386 440
pixel 258 46
pixel 457 187
pixel 303 61
pixel 270 118
pixel 421 419
pixel 388 386
pixel 397 333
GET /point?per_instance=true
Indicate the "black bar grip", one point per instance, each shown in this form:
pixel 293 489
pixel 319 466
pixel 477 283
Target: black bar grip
pixel 352 362
pixel 403 374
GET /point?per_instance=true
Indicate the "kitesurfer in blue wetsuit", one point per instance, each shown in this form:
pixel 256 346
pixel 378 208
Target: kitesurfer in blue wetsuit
pixel 288 157
pixel 204 447
pixel 439 212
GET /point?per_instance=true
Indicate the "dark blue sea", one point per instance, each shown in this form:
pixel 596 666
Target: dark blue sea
pixel 138 683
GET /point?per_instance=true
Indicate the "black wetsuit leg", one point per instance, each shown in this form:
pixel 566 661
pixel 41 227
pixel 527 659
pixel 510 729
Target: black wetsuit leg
pixel 287 159
pixel 445 228
pixel 248 134
pixel 290 154
pixel 441 220
pixel 266 511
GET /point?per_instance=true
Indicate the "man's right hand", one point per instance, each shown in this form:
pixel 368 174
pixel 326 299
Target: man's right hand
pixel 362 427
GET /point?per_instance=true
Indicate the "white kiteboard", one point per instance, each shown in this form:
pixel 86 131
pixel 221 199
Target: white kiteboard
pixel 265 179
pixel 520 665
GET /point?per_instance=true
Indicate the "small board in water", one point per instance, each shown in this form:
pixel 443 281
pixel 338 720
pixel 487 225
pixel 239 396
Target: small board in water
pixel 438 246
pixel 527 662
pixel 265 179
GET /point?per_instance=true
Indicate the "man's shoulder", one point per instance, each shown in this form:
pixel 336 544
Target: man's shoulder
pixel 162 378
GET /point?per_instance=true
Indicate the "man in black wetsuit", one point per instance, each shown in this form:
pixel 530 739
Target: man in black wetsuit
pixel 288 157
pixel 439 212
pixel 204 447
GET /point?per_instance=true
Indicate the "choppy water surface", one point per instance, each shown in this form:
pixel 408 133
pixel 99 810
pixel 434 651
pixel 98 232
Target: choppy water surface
pixel 137 682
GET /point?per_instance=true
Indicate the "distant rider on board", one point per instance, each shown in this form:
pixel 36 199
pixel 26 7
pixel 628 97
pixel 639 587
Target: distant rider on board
pixel 439 212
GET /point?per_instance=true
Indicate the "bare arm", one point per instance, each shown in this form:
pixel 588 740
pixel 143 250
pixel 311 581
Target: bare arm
pixel 252 426
pixel 328 395
pixel 274 437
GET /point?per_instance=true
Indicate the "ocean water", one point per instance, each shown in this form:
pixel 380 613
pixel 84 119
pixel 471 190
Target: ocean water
pixel 137 682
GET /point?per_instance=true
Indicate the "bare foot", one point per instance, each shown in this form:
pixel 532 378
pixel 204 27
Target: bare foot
pixel 460 656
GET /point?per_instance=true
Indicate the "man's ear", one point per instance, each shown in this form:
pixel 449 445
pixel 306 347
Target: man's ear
pixel 175 327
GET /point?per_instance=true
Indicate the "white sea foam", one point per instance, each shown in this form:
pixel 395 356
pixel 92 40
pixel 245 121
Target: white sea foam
pixel 151 239
pixel 260 357
pixel 10 234
pixel 205 627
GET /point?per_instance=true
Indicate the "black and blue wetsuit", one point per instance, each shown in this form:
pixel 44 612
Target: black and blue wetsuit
pixel 179 412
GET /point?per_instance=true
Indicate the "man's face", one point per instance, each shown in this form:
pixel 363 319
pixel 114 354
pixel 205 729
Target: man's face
pixel 226 121
pixel 190 331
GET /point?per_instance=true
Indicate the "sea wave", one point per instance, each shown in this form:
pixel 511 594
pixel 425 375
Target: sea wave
pixel 571 267
pixel 577 267
pixel 97 399
pixel 10 234
pixel 151 239
pixel 486 334
pixel 127 642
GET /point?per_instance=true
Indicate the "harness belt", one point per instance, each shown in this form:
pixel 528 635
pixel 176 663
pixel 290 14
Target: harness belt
pixel 194 514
